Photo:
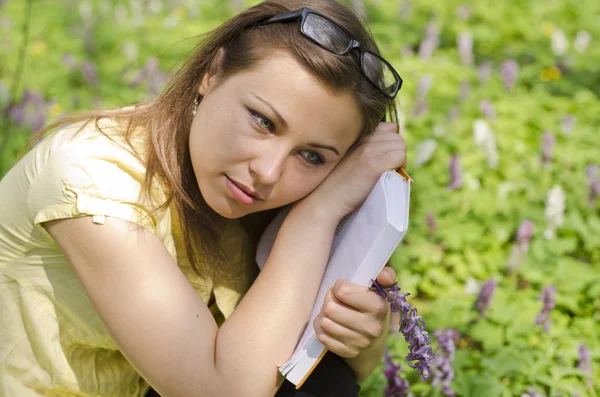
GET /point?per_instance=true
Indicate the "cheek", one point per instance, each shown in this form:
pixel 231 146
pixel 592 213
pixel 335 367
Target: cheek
pixel 300 185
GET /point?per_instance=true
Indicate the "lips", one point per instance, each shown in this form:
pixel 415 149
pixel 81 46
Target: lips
pixel 246 190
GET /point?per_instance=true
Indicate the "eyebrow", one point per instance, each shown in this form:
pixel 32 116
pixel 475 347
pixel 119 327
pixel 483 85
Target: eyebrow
pixel 318 145
pixel 281 120
pixel 284 124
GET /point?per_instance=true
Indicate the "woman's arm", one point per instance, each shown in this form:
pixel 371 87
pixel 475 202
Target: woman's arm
pixel 165 330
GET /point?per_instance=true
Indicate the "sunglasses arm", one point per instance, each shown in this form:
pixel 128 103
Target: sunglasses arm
pixel 285 17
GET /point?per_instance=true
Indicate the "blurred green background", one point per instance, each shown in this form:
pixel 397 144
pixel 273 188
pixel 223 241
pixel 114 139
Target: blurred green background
pixel 500 111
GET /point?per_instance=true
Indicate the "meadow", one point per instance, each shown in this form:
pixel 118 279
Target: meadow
pixel 500 109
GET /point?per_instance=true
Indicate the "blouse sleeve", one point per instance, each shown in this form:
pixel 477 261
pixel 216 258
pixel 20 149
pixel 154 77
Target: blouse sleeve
pixel 90 180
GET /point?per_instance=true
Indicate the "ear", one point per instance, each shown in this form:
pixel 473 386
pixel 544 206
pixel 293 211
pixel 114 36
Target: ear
pixel 210 78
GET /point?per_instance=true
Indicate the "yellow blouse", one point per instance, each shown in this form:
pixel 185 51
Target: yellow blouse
pixel 52 342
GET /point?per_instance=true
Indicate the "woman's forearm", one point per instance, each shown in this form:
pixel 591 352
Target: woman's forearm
pixel 267 324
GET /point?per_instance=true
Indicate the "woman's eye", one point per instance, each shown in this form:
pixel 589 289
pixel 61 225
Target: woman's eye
pixel 261 121
pixel 312 158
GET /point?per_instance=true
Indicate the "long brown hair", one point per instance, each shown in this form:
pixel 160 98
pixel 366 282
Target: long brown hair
pixel 167 119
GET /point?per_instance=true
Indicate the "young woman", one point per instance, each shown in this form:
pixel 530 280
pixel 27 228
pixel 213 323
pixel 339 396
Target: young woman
pixel 127 237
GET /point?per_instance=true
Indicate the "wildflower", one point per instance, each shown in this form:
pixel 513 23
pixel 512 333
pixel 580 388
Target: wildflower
pixel 464 90
pixel 4 95
pixel 487 109
pixel 431 41
pixel 554 212
pixel 582 41
pixel 151 75
pixel 412 327
pixel 431 222
pixel 523 238
pixel 560 44
pixel 463 12
pixel 424 86
pixel 89 41
pixel 485 296
pixel 396 386
pixel 455 173
pixel 443 372
pixel 524 234
pixel 465 47
pixel 548 142
pixel 130 51
pixel 425 151
pixel 553 73
pixel 532 393
pixel 453 113
pixel 484 138
pixel 121 14
pixel 548 297
pixel 584 360
pixel 89 72
pixel 567 123
pixel 485 72
pixel 509 71
pixel 69 61
pixel 421 107
pixel 594 182
pixel 31 111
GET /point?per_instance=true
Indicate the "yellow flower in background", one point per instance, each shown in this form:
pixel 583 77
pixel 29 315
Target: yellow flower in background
pixel 55 110
pixel 550 74
pixel 38 48
pixel 180 13
pixel 547 28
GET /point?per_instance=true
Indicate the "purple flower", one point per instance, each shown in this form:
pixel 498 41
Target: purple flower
pixel 455 173
pixel 89 41
pixel 532 393
pixel 412 327
pixel 464 42
pixel 463 93
pixel 548 142
pixel 548 296
pixel 453 113
pixel 594 182
pixel 584 360
pixel 487 109
pixel 523 238
pixel 485 72
pixel 524 233
pixel 396 386
pixel 443 372
pixel 31 111
pixel 567 123
pixel 463 12
pixel 431 223
pixel 424 86
pixel 509 71
pixel 431 41
pixel 89 72
pixel 69 61
pixel 485 296
pixel 151 74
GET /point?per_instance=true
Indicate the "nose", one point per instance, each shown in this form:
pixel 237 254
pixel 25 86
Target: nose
pixel 267 165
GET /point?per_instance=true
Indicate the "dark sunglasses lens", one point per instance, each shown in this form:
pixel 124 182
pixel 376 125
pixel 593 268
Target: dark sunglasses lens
pixel 325 33
pixel 379 73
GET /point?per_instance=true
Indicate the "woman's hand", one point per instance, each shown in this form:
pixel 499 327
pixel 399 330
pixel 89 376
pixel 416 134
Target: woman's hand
pixel 354 177
pixel 352 316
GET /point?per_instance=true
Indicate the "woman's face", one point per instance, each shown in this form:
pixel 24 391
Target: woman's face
pixel 273 131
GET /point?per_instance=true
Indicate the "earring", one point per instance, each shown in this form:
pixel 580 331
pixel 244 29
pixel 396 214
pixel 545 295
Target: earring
pixel 196 102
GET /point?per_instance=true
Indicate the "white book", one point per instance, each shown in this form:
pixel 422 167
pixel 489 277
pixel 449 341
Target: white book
pixel 363 243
